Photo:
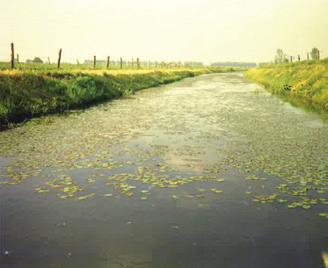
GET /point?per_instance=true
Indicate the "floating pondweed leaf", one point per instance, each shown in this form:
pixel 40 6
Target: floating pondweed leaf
pixel 108 195
pixel 41 190
pixel 215 190
pixel 61 196
pixel 91 180
pixel 252 177
pixel 80 198
pixel 281 200
pixel 324 214
pixel 144 191
pixel 264 199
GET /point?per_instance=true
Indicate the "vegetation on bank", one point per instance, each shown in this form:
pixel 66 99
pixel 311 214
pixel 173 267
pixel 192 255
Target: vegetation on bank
pixel 26 94
pixel 302 82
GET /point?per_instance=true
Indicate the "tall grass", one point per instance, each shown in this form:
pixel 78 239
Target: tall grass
pixel 306 82
pixel 26 94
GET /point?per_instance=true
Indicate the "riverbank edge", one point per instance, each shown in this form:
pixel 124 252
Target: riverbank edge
pixel 301 84
pixel 26 95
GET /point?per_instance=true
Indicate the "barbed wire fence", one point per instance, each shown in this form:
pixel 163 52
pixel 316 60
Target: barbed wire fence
pixel 11 58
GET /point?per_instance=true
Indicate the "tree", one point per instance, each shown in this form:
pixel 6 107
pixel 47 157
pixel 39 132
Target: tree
pixel 315 53
pixel 37 60
pixel 280 57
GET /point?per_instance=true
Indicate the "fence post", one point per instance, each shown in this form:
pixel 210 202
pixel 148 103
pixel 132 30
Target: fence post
pixel 138 63
pixel 12 57
pixel 318 54
pixel 121 63
pixel 59 58
pixel 291 59
pixel 49 61
pixel 94 62
pixel 299 57
pixel 17 58
pixel 108 59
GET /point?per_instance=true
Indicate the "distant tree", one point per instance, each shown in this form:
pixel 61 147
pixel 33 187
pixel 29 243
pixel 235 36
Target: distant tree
pixel 280 57
pixel 314 53
pixel 37 60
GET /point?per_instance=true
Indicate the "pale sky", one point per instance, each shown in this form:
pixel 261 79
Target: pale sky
pixel 200 30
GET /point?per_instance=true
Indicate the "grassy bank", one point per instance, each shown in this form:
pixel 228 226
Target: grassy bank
pixel 27 94
pixel 301 82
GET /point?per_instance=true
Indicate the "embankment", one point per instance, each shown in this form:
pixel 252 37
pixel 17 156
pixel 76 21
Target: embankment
pixel 27 94
pixel 303 83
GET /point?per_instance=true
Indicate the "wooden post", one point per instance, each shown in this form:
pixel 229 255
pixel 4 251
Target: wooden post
pixel 138 63
pixel 121 63
pixel 108 59
pixel 59 58
pixel 12 57
pixel 49 61
pixel 291 59
pixel 94 62
pixel 299 57
pixel 318 54
pixel 17 58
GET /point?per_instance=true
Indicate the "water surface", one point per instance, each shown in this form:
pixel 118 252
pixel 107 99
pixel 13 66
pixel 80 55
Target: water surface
pixel 211 171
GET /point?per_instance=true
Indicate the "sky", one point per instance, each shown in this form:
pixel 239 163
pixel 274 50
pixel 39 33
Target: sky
pixel 169 30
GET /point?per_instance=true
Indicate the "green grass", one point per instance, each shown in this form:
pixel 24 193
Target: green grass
pixel 29 93
pixel 304 83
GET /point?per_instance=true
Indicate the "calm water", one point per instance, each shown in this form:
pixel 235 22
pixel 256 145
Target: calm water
pixel 207 172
